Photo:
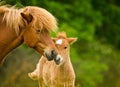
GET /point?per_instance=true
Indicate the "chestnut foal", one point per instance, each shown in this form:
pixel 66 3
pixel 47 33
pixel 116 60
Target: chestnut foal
pixel 51 75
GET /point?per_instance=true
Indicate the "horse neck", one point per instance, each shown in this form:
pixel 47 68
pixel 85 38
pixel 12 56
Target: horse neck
pixel 8 39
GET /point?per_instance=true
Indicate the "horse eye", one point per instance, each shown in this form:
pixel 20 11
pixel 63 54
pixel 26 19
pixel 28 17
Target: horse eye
pixel 65 47
pixel 38 31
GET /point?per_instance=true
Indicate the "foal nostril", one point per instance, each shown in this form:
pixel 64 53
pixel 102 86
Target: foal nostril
pixel 58 59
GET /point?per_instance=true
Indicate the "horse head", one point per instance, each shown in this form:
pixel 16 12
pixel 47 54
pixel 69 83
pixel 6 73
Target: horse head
pixel 38 22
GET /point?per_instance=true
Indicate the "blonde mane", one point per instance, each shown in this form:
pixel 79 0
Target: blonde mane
pixel 12 18
pixel 41 18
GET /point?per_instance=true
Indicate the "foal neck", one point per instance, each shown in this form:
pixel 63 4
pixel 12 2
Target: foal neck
pixel 66 70
pixel 66 59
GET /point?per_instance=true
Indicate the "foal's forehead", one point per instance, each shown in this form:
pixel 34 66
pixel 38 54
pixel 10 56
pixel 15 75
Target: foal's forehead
pixel 61 41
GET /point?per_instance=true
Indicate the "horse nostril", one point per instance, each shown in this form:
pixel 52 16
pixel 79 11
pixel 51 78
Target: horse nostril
pixel 53 53
pixel 49 58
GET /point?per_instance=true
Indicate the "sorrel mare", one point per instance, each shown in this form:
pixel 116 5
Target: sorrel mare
pixel 30 25
pixel 51 75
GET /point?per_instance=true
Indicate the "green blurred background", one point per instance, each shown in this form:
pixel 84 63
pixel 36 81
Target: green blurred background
pixel 96 54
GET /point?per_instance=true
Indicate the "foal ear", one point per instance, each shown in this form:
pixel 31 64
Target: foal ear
pixel 54 40
pixel 71 40
pixel 27 17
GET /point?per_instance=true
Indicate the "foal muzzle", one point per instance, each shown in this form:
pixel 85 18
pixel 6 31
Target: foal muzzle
pixel 58 59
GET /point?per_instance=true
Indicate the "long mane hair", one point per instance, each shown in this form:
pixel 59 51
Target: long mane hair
pixel 41 18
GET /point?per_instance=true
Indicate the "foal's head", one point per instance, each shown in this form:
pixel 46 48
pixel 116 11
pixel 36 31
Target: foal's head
pixel 38 23
pixel 63 44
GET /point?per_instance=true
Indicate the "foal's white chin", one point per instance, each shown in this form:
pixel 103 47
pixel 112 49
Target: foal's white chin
pixel 59 56
pixel 60 60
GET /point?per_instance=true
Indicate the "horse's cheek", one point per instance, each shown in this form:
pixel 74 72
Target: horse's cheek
pixel 30 40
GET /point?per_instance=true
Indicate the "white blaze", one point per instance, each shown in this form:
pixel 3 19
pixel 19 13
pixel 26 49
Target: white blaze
pixel 59 41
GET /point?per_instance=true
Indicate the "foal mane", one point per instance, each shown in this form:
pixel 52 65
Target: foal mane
pixel 62 35
pixel 41 18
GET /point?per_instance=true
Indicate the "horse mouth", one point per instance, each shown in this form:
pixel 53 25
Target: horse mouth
pixel 54 56
pixel 49 57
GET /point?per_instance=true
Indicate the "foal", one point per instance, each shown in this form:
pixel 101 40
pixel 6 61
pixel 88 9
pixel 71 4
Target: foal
pixel 51 75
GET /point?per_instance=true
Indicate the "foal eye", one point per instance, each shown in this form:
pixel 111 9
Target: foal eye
pixel 38 31
pixel 65 47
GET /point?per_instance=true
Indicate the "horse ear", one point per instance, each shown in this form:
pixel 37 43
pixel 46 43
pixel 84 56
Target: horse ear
pixel 27 17
pixel 71 40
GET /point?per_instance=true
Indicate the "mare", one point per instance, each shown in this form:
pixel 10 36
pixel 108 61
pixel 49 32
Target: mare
pixel 51 75
pixel 30 25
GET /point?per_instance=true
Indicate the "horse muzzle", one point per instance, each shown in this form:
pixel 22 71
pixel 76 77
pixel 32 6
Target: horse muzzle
pixel 53 55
